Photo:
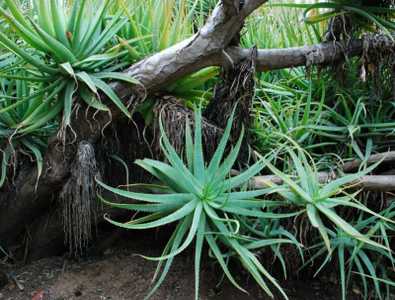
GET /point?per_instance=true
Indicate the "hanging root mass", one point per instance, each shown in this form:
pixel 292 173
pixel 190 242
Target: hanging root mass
pixel 237 86
pixel 173 115
pixel 378 62
pixel 79 201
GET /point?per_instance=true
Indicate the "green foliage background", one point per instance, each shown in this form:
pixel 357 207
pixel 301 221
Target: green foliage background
pixel 54 58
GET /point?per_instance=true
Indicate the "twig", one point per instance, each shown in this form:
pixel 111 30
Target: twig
pixel 379 183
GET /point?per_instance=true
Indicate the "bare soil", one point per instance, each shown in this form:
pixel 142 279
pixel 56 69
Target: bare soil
pixel 121 274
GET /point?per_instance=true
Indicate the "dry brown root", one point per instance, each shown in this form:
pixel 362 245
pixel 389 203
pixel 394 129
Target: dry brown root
pixel 79 201
pixel 174 115
pixel 378 61
pixel 236 86
pixel 339 29
pixel 235 89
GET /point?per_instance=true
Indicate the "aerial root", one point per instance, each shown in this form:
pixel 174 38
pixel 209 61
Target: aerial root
pixel 79 201
pixel 378 61
pixel 174 115
pixel 236 86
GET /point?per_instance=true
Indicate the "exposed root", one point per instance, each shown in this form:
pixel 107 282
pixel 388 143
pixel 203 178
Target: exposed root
pixel 378 61
pixel 79 201
pixel 237 87
pixel 340 28
pixel 174 115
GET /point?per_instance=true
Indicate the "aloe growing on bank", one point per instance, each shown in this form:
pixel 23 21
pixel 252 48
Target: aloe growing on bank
pixel 320 201
pixel 356 258
pixel 69 50
pixel 54 57
pixel 309 109
pixel 206 204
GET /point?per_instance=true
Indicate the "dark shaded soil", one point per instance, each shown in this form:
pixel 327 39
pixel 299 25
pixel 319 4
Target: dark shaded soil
pixel 121 274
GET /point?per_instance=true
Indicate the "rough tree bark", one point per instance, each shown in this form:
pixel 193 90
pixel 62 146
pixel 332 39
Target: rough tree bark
pixel 210 46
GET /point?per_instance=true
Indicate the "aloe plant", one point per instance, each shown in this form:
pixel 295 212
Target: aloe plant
pixel 292 112
pixel 354 256
pixel 320 201
pixel 379 13
pixel 69 50
pixel 206 205
pixel 31 140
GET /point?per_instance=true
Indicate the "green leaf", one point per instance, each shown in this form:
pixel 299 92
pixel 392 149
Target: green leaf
pixel 62 53
pixel 192 183
pixel 189 147
pixel 197 214
pixel 85 78
pixel 42 119
pixel 24 55
pixel 316 222
pixel 92 28
pixel 68 102
pixel 346 227
pixel 178 235
pixel 219 256
pixel 111 30
pixel 245 176
pixel 219 152
pixel 38 158
pixel 293 186
pixel 111 94
pixel 173 217
pixel 59 23
pixel 178 198
pixel 23 29
pixel 198 159
pixel 228 163
pixel 4 165
pixel 91 100
pixel 44 16
pixel 117 76
pixel 198 252
pixel 68 68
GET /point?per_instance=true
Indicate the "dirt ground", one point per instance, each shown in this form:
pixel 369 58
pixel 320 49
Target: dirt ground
pixel 121 274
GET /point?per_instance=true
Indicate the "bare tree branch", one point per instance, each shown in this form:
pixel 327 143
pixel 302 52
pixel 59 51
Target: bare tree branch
pixel 324 53
pixel 378 183
pixel 201 50
pixel 355 164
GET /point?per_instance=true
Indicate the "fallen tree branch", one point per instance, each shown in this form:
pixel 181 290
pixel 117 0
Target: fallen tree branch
pixel 355 164
pixel 378 183
pixel 319 54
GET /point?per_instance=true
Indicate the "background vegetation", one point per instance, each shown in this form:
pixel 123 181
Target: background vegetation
pixel 57 59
